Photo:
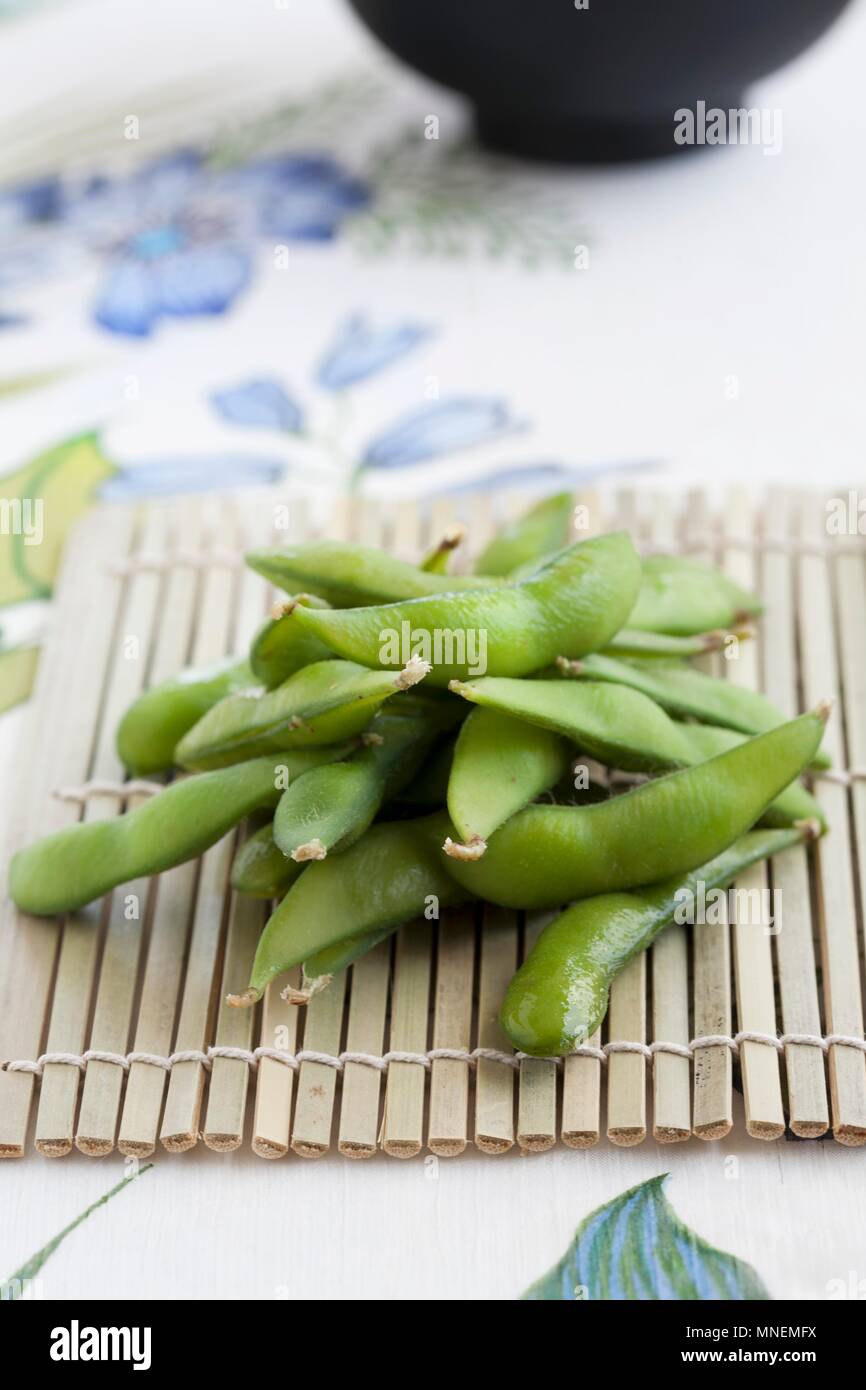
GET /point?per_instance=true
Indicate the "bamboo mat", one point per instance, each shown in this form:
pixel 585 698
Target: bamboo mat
pixel 143 592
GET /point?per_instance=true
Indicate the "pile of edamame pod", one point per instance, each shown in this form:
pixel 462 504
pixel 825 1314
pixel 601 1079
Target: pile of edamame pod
pixel 401 739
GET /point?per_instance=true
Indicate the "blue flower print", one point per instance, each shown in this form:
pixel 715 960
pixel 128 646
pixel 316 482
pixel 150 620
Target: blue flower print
pixel 303 197
pixel 443 427
pixel 261 402
pixel 177 245
pixel 202 473
pixel 360 350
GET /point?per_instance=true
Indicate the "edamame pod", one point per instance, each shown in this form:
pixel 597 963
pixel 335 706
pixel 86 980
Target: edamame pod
pixel 325 703
pixel 559 996
pixel 152 727
pixel 75 866
pixel 631 643
pixel 346 574
pixel 576 604
pixel 500 765
pixel 688 693
pixel 622 728
pixel 281 648
pixel 333 805
pixel 260 869
pixel 387 877
pixel 540 532
pixel 548 855
pixel 681 597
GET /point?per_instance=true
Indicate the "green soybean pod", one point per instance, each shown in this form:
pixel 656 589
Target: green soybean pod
pixel 75 866
pixel 622 728
pixel 576 604
pixel 631 643
pixel 333 805
pixel 559 996
pixel 688 693
pixel 681 597
pixel 548 855
pixel 347 574
pixel 152 727
pixel 280 648
pixel 541 531
pixel 259 868
pixel 387 877
pixel 500 765
pixel 325 703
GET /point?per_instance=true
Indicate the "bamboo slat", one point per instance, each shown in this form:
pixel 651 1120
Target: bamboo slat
pixel 275 1081
pixel 712 1002
pixel 671 1075
pixel 494 1081
pixel 536 1099
pixel 362 1084
pixel 403 1125
pixel 581 1076
pixel 753 960
pixel 626 1018
pixel 795 953
pixel 843 1006
pixel 229 1078
pixel 452 1025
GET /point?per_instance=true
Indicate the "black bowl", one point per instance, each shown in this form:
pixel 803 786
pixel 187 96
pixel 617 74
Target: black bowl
pixel 552 80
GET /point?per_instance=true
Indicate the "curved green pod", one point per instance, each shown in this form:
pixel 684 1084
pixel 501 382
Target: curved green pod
pixel 280 648
pixel 333 805
pixel 632 643
pixel 387 877
pixel 346 574
pixel 533 537
pixel 325 703
pixel 622 728
pixel 681 597
pixel 500 765
pixel 152 727
pixel 260 869
pixel 548 855
pixel 559 996
pixel 689 693
pixel 75 866
pixel 575 604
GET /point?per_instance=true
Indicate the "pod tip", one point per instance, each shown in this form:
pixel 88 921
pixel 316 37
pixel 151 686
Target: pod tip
pixel 474 847
pixel 809 828
pixel 459 687
pixel 314 849
pixel 309 988
pixel 568 667
pixel 414 671
pixel 823 710
pixel 371 740
pixel 245 1000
